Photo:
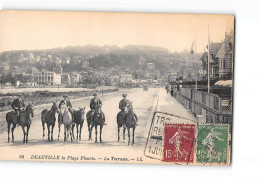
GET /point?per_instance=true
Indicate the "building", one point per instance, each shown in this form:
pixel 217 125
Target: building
pixel 221 59
pixel 115 80
pixel 46 77
pixel 4 67
pixel 142 61
pixel 172 77
pixel 126 78
pixel 150 66
pixel 85 64
pixel 65 79
pixel 225 55
pixel 74 77
pixel 213 61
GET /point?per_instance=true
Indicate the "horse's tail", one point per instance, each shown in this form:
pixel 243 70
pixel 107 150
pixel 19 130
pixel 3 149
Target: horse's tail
pixel 136 118
pixel 88 117
pixel 117 118
pixel 9 117
pixel 43 113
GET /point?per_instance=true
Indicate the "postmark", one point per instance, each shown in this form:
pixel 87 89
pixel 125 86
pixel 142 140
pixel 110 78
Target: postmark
pixel 179 143
pixel 213 144
pixel 155 140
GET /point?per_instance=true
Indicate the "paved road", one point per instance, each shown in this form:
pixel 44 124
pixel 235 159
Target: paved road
pixel 145 103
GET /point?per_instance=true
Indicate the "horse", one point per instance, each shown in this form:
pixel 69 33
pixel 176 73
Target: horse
pixel 130 122
pixel 48 117
pixel 89 122
pixel 25 117
pixel 97 119
pixel 120 123
pixel 79 117
pixel 67 122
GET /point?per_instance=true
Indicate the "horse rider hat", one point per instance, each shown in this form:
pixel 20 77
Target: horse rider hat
pixel 65 96
pixel 95 94
pixel 124 95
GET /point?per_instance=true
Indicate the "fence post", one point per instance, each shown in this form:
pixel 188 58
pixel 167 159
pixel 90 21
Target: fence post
pixel 220 108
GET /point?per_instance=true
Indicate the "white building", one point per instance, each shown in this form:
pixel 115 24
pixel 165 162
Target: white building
pixel 85 64
pixel 126 78
pixel 46 77
pixel 150 66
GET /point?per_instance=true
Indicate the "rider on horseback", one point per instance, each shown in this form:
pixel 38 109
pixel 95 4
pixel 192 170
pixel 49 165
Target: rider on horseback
pixel 67 102
pixel 123 104
pixel 16 105
pixel 94 102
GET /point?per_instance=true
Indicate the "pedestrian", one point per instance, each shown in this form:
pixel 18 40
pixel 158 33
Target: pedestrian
pixel 171 90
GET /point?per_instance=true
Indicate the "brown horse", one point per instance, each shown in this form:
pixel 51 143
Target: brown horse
pixel 79 117
pixel 25 117
pixel 130 122
pixel 97 119
pixel 48 117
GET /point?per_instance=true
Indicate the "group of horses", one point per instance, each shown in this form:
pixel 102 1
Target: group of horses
pixel 94 118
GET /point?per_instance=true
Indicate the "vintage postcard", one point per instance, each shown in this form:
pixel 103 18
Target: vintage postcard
pixel 111 87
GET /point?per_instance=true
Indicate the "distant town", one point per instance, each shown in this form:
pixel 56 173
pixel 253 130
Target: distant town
pixel 131 66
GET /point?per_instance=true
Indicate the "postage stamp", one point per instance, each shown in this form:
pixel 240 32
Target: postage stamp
pixel 212 144
pixel 179 143
pixel 155 141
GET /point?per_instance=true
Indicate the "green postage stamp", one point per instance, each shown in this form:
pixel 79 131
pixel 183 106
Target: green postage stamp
pixel 213 144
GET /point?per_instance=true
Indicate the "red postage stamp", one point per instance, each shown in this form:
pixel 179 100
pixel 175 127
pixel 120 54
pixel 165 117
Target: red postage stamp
pixel 179 143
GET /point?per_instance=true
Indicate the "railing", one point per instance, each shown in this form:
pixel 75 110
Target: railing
pixel 209 100
pixel 218 110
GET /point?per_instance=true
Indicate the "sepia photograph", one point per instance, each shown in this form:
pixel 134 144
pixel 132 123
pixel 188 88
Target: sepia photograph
pixel 116 87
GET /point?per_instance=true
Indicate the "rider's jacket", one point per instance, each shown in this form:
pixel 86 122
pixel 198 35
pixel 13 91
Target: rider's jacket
pixel 68 103
pixel 94 103
pixel 16 104
pixel 123 103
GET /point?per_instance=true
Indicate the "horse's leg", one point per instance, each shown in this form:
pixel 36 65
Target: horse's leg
pixel 73 125
pixel 133 140
pixel 72 128
pixel 71 135
pixel 96 133
pixel 118 133
pixel 14 126
pixel 81 125
pixel 100 133
pixel 65 132
pixel 59 131
pixel 27 133
pixel 77 131
pixel 124 134
pixel 52 127
pixel 90 132
pixel 43 128
pixel 128 130
pixel 48 126
pixel 68 132
pixel 8 131
pixel 23 134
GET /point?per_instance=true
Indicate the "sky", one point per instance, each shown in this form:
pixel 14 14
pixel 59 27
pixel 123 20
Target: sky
pixel 31 30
